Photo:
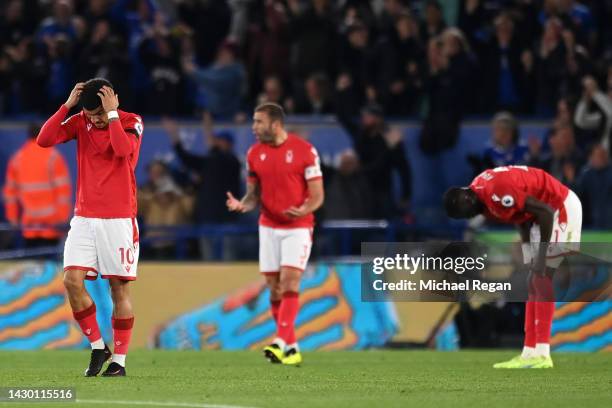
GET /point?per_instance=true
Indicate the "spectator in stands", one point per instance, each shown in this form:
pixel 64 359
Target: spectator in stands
pixel 105 55
pixel 551 66
pixel 61 68
pixel 96 11
pixel 448 87
pixel 594 114
pixel 15 24
pixel 391 12
pixel 133 22
pixel 349 196
pixel 313 32
pixel 401 70
pixel 316 99
pixel 159 53
pixel 273 91
pixel 433 21
pixel 210 22
pixel 356 62
pixel 62 21
pixel 268 53
pixel 505 148
pixel 564 160
pixel 161 203
pixel 595 189
pixel 505 69
pixel 38 192
pixel 211 187
pixel 381 153
pixel 220 86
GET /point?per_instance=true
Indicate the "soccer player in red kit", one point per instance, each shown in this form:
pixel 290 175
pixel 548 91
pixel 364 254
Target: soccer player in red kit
pixel 544 211
pixel 284 176
pixel 103 236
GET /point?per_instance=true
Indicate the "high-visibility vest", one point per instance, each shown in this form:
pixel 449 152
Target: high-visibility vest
pixel 38 191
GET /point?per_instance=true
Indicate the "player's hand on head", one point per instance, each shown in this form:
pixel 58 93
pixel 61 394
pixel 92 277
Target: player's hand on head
pixel 75 95
pixel 233 204
pixel 110 100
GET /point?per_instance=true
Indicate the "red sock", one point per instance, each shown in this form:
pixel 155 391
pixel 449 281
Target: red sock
pixel 530 335
pixel 88 323
pixel 544 290
pixel 274 309
pixel 122 332
pixel 286 317
pixel 544 316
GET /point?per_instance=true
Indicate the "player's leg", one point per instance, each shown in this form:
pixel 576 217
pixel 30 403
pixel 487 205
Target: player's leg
pixel 122 322
pixel 295 251
pixel 290 304
pixel 269 266
pixel 273 283
pixel 118 252
pixel 80 263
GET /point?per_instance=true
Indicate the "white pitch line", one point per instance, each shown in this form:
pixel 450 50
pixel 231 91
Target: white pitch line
pixel 159 403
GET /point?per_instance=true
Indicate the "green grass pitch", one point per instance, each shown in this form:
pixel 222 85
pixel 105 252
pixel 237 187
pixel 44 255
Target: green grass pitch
pixel 215 379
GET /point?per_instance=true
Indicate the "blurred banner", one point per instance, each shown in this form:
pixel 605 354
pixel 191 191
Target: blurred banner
pixel 34 312
pixel 332 317
pixel 197 306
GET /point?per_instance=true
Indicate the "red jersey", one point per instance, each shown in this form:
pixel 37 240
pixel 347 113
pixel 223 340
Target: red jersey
pixel 282 173
pixel 503 191
pixel 106 160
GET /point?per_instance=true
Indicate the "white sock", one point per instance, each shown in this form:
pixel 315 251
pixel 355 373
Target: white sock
pixel 542 350
pixel 98 344
pixel 119 359
pixel 293 346
pixel 528 352
pixel 280 343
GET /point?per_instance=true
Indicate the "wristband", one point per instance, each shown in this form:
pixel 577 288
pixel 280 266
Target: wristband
pixel 112 115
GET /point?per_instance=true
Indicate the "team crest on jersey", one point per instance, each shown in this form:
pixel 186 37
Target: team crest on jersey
pixel 262 156
pixel 507 201
pixel 88 127
pixel 289 156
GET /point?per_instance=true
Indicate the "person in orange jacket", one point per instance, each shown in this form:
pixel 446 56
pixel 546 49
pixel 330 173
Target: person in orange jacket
pixel 37 193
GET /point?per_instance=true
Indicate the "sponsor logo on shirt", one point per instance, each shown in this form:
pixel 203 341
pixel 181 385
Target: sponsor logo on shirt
pixel 262 157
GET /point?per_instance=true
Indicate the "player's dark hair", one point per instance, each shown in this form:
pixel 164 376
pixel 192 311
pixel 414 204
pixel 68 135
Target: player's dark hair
pixel 273 110
pixel 455 202
pixel 89 97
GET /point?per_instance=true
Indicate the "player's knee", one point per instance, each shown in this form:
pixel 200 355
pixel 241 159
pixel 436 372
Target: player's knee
pixel 290 284
pixel 73 282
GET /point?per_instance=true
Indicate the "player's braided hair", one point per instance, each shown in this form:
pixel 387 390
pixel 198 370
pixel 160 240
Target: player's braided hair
pixel 89 97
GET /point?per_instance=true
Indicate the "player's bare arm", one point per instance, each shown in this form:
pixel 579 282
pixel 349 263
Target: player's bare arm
pixel 544 217
pixel 54 130
pixel 316 196
pixel 523 230
pixel 247 203
pixel 122 143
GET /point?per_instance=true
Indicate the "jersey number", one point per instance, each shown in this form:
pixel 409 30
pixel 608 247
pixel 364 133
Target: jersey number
pixel 126 255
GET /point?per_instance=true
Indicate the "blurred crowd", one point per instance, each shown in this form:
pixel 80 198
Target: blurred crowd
pixel 438 59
